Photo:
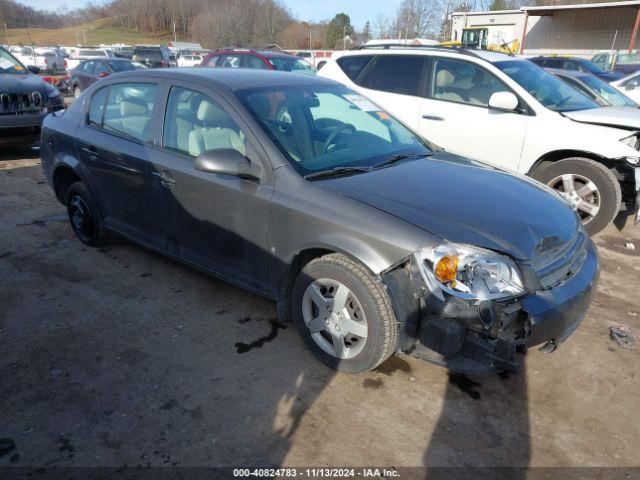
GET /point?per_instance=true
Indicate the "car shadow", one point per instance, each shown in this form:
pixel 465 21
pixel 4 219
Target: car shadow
pixel 483 429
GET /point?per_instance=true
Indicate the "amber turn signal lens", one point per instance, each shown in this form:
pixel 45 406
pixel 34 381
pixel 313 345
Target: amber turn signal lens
pixel 446 268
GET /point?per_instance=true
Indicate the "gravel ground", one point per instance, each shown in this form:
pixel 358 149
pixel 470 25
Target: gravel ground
pixel 118 356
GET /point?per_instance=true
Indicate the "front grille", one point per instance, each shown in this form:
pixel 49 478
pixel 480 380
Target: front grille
pixel 565 262
pixel 21 103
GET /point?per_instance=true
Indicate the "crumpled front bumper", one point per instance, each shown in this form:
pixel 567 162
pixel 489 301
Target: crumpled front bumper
pixel 483 337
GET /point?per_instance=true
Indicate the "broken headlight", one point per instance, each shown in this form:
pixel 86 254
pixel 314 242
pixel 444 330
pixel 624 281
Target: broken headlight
pixel 469 272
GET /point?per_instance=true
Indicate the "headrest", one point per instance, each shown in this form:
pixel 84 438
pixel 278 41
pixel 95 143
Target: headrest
pixel 130 107
pixel 260 105
pixel 209 112
pixel 445 78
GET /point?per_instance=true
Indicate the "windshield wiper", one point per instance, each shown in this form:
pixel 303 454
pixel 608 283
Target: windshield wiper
pixel 336 171
pixel 397 158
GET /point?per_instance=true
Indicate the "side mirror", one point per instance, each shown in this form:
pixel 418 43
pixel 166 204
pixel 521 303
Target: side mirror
pixel 503 101
pixel 33 69
pixel 226 161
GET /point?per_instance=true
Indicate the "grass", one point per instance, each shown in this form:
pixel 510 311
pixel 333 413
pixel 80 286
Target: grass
pixel 100 31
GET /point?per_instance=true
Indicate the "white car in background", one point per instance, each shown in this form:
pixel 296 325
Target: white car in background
pixel 46 59
pixel 189 60
pixel 83 54
pixel 630 86
pixel 511 113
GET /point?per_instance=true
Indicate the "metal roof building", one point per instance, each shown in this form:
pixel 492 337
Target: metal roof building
pixel 580 29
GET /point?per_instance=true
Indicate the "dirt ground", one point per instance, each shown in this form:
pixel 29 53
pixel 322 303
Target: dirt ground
pixel 118 356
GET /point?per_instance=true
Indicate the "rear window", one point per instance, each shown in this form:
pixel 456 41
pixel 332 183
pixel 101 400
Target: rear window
pixel 148 53
pixel 352 66
pixel 121 66
pixel 395 74
pixel 92 53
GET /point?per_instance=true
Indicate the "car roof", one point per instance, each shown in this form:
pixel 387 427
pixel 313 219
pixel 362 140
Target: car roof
pixel 486 55
pixel 231 78
pixel 245 51
pixel 560 57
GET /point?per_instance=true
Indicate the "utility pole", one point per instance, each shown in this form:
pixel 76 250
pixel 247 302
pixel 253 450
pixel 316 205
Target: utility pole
pixel 344 37
pixel 84 36
pixel 175 37
pixel 6 31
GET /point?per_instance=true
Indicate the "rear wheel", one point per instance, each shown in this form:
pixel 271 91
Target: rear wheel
pixel 588 186
pixel 343 315
pixel 84 216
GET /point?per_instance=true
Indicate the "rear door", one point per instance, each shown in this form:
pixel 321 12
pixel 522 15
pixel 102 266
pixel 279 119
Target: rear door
pixel 114 144
pixel 393 81
pixel 454 114
pixel 86 75
pixel 218 222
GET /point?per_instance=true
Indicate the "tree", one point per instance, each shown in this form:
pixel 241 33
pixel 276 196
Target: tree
pixel 366 32
pixel 498 5
pixel 338 29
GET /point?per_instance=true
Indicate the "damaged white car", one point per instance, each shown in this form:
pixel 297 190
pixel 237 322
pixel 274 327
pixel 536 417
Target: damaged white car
pixel 509 112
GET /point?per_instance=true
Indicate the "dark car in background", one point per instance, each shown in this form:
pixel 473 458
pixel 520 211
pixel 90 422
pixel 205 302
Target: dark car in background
pixel 257 59
pixel 90 71
pixel 158 56
pixel 594 88
pixel 297 188
pixel 24 101
pixel 577 65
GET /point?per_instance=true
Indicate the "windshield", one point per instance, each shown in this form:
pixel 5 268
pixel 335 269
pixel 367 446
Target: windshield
pixel 120 66
pixel 9 64
pixel 628 58
pixel 294 65
pixel 611 95
pixel 321 127
pixel 550 91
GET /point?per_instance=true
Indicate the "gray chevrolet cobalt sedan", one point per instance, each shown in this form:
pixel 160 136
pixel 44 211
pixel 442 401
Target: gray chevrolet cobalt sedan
pixel 372 240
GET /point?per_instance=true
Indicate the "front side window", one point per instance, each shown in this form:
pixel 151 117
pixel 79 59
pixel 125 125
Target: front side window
pixel 128 110
pixel 395 74
pixel 463 82
pixel 320 127
pixel 195 123
pixel 550 91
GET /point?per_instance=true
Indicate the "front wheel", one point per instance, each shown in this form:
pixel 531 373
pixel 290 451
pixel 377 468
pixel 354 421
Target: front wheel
pixel 588 186
pixel 343 315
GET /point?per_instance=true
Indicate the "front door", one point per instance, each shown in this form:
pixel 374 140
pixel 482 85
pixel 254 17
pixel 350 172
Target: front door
pixel 455 115
pixel 114 144
pixel 218 222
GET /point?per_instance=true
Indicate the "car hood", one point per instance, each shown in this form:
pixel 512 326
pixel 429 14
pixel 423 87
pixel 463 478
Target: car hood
pixel 12 83
pixel 627 118
pixel 466 202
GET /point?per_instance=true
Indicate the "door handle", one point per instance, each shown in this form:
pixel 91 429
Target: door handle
pixel 165 179
pixel 438 118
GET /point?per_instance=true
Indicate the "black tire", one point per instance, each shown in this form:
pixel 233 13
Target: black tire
pixel 84 215
pixel 382 335
pixel 608 195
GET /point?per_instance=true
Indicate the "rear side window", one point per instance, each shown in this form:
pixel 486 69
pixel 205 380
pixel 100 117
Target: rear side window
pixel 352 66
pixel 96 108
pixel 211 61
pixel 395 74
pixel 128 110
pixel 230 61
pixel 254 62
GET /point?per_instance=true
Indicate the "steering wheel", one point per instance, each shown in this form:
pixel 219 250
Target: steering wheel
pixel 332 136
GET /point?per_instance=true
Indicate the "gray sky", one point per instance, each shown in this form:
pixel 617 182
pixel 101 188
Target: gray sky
pixel 359 10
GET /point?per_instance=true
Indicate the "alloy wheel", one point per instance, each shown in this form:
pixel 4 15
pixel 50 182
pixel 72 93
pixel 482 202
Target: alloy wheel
pixel 580 192
pixel 335 318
